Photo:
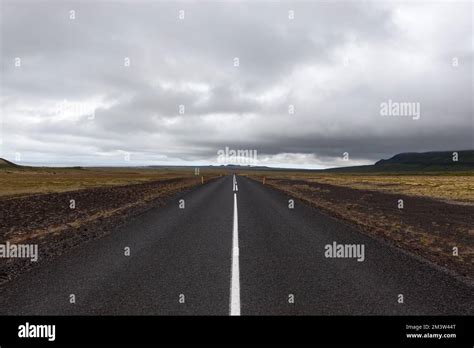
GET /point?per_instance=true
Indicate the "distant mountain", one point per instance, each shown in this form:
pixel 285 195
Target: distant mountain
pixel 5 163
pixel 430 158
pixel 436 161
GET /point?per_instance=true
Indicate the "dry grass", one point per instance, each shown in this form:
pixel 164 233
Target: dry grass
pixel 21 182
pixel 103 214
pixel 449 188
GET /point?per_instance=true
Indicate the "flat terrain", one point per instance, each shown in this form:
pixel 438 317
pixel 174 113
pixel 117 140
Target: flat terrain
pixel 456 188
pixel 24 181
pixel 190 252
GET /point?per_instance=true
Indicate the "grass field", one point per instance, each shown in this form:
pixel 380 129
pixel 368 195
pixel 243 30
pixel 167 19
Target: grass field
pixel 453 188
pixel 21 181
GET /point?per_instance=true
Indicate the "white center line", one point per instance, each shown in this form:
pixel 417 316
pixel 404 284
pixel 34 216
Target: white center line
pixel 235 277
pixel 234 184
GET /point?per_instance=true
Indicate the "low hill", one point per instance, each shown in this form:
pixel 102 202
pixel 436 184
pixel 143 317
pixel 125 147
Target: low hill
pixel 436 161
pixel 5 163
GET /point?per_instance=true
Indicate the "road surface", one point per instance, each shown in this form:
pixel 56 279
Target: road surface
pixel 235 249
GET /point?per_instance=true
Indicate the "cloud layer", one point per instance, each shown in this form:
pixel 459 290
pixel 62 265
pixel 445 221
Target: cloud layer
pixel 310 80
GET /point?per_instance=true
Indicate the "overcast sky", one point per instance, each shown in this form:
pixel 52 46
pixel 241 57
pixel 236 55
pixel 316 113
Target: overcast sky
pixel 105 83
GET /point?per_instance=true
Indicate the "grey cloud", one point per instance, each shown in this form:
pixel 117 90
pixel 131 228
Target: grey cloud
pixel 190 62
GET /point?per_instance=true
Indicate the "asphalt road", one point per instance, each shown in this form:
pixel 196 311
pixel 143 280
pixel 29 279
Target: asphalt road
pixel 214 258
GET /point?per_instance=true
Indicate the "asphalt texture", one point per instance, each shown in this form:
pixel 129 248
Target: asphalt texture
pixel 180 264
